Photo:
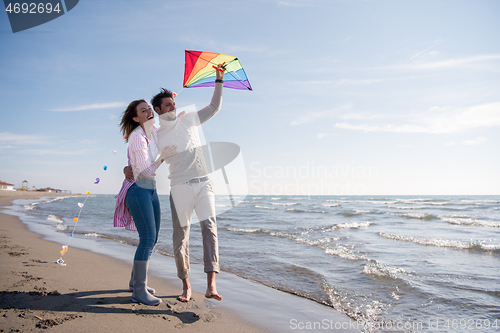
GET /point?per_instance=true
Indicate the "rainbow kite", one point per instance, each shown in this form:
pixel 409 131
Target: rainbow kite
pixel 201 66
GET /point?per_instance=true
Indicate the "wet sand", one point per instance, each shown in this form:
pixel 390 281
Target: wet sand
pixel 90 295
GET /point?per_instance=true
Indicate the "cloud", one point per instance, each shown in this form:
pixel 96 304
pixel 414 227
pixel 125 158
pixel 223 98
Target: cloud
pixel 93 107
pixel 439 120
pixel 310 116
pixel 336 83
pixel 416 55
pixel 13 140
pixel 449 144
pixel 58 152
pixel 449 63
pixel 475 142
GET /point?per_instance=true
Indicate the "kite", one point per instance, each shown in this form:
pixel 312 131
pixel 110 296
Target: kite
pixel 105 168
pixel 200 70
pixel 60 261
pixel 97 180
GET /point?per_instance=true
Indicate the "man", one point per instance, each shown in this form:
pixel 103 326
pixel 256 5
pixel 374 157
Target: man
pixel 191 189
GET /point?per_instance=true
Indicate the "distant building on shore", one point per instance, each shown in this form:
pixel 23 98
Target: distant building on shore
pixel 49 189
pixel 6 186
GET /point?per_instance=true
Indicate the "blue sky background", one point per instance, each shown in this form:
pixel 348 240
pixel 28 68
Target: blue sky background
pixel 350 97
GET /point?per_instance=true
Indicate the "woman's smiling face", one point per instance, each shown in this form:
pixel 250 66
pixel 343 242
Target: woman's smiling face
pixel 144 113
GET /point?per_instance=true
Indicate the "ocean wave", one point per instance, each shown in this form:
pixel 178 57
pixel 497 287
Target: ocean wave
pixel 249 231
pixel 481 201
pixel 417 216
pixel 354 225
pixel 375 202
pixel 92 234
pixel 383 270
pixel 416 207
pixel 355 212
pixel 332 205
pixel 285 204
pixel 264 207
pixel 301 239
pixel 471 222
pixel 294 210
pixel 414 200
pixel 55 219
pixel 455 244
pixel 344 252
pixel 361 211
pixel 223 218
pixel 431 242
pixel 61 227
pixel 34 205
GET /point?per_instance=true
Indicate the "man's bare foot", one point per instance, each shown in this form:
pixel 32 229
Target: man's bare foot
pixel 186 291
pixel 211 288
pixel 214 296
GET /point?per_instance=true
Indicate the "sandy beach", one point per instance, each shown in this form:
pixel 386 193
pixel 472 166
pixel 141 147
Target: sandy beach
pixel 91 294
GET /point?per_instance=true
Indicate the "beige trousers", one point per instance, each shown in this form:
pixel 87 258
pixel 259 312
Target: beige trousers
pixel 184 198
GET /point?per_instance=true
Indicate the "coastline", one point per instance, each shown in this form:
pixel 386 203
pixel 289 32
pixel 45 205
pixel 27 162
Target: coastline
pixel 88 302
pixel 38 294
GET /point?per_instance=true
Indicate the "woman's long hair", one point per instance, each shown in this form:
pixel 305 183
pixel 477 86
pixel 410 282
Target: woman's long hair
pixel 128 124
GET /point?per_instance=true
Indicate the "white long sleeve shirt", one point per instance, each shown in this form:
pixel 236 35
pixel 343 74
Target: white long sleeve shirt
pixel 189 162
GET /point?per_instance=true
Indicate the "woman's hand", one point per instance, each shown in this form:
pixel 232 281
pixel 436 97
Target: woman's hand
pixel 128 172
pixel 165 153
pixel 168 152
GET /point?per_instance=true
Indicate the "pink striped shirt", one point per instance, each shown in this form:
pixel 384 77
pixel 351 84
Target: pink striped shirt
pixel 139 152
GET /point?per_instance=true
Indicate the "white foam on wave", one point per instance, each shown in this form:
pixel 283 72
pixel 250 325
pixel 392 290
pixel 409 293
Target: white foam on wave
pixel 430 242
pixel 300 239
pixel 354 225
pixel 421 216
pixel 34 204
pixel 481 201
pixel 361 211
pixel 330 205
pixel 399 207
pixel 264 207
pixel 343 252
pixel 54 219
pixel 471 222
pixel 249 231
pixel 414 200
pixel 285 204
pixel 294 210
pixel 92 234
pixel 383 270
pixel 61 227
pixel 455 244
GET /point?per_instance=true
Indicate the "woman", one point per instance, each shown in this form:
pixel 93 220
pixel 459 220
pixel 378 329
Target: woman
pixel 137 206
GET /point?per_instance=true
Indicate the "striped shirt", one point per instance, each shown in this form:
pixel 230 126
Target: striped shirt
pixel 141 155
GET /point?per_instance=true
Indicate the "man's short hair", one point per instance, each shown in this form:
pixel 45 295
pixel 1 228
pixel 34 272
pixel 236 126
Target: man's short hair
pixel 157 99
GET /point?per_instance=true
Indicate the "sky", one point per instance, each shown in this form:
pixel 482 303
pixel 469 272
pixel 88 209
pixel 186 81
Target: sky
pixel 350 97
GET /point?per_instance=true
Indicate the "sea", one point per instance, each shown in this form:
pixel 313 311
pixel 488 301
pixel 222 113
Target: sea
pixel 392 263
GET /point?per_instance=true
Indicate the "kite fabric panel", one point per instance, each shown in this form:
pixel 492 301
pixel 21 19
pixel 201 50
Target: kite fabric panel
pixel 199 70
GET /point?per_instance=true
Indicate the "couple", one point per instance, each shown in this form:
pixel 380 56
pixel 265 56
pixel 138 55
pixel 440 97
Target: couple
pixel 177 143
